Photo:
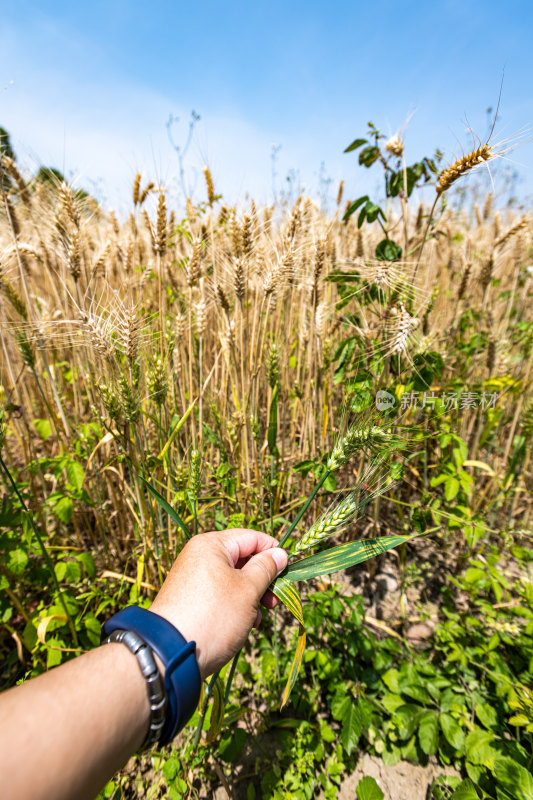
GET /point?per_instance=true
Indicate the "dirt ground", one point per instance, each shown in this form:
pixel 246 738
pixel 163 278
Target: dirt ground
pixel 403 781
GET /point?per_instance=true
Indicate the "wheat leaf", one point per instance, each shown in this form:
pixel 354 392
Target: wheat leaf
pixel 172 513
pixel 217 712
pixel 339 557
pixel 290 597
pixel 295 666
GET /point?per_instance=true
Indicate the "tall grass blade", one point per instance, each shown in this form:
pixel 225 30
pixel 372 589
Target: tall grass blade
pixel 231 675
pixel 272 433
pixel 176 430
pixel 172 513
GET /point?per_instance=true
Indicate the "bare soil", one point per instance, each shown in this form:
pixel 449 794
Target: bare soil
pixel 403 781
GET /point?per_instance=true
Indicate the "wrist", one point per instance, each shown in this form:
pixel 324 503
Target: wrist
pixel 125 664
pixel 182 679
pixel 183 625
pixel 154 687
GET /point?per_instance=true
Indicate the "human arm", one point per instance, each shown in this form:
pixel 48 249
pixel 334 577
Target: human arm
pixel 64 734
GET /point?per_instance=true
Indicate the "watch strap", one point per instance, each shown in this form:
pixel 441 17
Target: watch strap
pixel 182 676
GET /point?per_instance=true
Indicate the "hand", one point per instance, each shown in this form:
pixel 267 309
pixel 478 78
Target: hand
pixel 212 592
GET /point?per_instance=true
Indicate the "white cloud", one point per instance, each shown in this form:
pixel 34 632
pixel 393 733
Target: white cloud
pixel 105 134
pixel 103 130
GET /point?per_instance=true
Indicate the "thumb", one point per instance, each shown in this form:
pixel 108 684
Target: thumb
pixel 262 568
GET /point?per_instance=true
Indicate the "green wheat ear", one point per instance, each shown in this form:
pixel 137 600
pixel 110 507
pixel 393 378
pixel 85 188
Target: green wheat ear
pixel 372 439
pixel 372 483
pixel 365 433
pixel 330 523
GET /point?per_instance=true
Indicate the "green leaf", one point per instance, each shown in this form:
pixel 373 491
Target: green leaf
pixel 338 705
pixel 60 570
pixel 372 212
pixel 452 732
pixel 514 778
pixel 428 732
pixel 391 702
pixel 407 717
pixel 29 635
pixel 355 144
pixel 367 789
pixel 75 474
pixel 273 423
pixel 345 353
pixel 73 572
pixel 391 680
pixel 64 509
pixel 330 484
pixel 417 693
pixel 231 744
pixel 387 250
pixel 44 428
pixel 175 430
pixel 172 513
pixel 17 560
pixel 518 720
pixel 338 276
pixel 465 791
pixel 354 206
pixel 304 466
pixel 54 657
pixel 451 488
pixel 368 155
pixel 479 748
pixel 170 768
pixel 88 564
pixel 346 709
pixel 352 728
pixel 339 557
pixel 487 715
pixel 475 772
pixel 93 628
pixel 475 574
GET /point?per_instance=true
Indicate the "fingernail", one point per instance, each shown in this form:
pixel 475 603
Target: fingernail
pixel 281 557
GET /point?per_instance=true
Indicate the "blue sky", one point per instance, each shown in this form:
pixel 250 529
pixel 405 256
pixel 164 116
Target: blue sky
pixel 90 86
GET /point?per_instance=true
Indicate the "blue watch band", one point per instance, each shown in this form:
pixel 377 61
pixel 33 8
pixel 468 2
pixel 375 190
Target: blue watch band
pixel 182 676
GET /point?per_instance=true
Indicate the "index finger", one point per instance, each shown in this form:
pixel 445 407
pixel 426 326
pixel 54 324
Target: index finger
pixel 242 543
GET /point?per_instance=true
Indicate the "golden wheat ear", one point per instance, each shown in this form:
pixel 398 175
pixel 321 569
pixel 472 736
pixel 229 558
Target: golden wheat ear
pixel 463 165
pixel 477 157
